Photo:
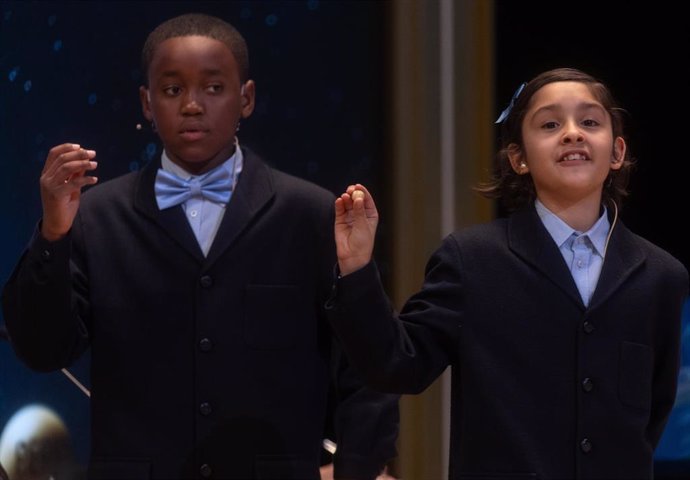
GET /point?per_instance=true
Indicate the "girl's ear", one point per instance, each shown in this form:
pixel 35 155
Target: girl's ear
pixel 517 160
pixel 618 154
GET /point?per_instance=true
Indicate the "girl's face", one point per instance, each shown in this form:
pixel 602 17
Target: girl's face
pixel 568 144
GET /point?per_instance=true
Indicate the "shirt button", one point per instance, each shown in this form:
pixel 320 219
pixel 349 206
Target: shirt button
pixel 193 213
pixel 205 345
pixel 586 445
pixel 579 264
pixel 205 470
pixel 587 384
pixel 205 408
pixel 206 281
pixel 588 327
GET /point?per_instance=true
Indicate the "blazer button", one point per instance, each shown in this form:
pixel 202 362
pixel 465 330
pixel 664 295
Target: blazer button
pixel 587 384
pixel 586 445
pixel 205 470
pixel 205 345
pixel 46 255
pixel 206 281
pixel 588 327
pixel 205 408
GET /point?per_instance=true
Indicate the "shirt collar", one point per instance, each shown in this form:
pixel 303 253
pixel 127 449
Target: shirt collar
pixel 561 231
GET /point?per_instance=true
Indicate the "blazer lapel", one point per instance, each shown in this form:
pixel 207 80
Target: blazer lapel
pixel 530 240
pixel 171 220
pixel 623 257
pixel 253 192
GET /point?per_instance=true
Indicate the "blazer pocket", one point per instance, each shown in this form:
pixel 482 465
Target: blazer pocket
pixel 635 375
pixel 277 317
pixel 119 470
pixel 283 467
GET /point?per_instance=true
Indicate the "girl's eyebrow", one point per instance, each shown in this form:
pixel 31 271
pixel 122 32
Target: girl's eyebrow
pixel 580 107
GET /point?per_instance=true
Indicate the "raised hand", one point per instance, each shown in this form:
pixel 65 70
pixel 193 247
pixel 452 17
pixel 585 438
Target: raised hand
pixel 62 178
pixel 356 219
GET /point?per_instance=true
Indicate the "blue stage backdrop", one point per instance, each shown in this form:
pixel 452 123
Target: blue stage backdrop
pixel 69 72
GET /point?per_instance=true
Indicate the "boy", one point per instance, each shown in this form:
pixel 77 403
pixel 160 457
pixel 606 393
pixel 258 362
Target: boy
pixel 198 283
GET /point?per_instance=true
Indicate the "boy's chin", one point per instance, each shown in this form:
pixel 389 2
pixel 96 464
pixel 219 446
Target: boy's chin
pixel 197 163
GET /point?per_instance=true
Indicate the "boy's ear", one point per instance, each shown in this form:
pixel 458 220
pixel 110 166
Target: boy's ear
pixel 145 99
pixel 247 98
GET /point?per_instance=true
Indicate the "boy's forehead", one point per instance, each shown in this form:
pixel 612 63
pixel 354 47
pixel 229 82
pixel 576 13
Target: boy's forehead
pixel 193 50
pixel 196 44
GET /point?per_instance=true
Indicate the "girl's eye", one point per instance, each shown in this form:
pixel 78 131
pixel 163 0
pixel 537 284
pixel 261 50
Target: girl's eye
pixel 590 122
pixel 172 90
pixel 549 125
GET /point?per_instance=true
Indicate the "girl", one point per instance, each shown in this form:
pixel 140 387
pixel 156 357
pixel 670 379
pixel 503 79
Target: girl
pixel 561 324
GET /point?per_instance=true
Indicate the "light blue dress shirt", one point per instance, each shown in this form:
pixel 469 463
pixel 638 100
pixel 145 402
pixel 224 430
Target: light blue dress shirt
pixel 583 252
pixel 204 216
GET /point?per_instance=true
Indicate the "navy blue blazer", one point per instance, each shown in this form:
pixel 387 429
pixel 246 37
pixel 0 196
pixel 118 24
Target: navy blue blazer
pixel 201 367
pixel 542 386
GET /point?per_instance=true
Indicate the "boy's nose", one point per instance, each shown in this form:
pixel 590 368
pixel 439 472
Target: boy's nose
pixel 190 106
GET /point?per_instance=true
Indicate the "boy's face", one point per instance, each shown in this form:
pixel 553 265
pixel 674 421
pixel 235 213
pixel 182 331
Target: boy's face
pixel 196 101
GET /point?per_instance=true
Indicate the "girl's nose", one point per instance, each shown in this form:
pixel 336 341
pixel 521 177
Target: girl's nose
pixel 572 133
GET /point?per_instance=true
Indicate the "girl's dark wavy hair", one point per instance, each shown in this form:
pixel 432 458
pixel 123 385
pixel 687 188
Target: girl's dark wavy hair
pixel 515 191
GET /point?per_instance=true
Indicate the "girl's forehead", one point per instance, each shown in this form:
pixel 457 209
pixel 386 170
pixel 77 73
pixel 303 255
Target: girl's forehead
pixel 557 92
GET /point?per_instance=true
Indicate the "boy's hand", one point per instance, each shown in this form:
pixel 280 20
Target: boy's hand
pixel 356 219
pixel 62 178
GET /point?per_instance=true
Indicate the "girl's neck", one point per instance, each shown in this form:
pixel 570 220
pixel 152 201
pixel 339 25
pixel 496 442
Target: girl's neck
pixel 579 214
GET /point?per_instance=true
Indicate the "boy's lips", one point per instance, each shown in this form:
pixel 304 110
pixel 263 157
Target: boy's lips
pixel 193 134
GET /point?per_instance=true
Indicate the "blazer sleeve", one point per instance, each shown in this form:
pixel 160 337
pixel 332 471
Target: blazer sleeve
pixel 406 352
pixel 667 350
pixel 365 421
pixel 43 304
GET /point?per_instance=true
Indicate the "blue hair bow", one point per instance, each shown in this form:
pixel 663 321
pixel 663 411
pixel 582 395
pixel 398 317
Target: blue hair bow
pixel 504 114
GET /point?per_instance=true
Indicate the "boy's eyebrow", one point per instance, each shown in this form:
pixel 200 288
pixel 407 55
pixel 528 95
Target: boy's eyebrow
pixel 205 71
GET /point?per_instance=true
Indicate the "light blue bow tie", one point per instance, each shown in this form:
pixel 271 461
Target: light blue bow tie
pixel 172 190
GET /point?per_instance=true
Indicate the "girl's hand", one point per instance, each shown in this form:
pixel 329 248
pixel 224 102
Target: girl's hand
pixel 356 219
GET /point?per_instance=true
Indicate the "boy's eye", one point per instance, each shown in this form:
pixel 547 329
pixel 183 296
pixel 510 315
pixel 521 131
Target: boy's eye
pixel 214 88
pixel 172 90
pixel 549 125
pixel 590 122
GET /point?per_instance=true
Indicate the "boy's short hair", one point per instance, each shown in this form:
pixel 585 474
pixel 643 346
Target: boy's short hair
pixel 202 25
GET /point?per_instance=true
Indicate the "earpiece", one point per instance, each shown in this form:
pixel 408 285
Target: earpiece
pixel 523 165
pixel 148 95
